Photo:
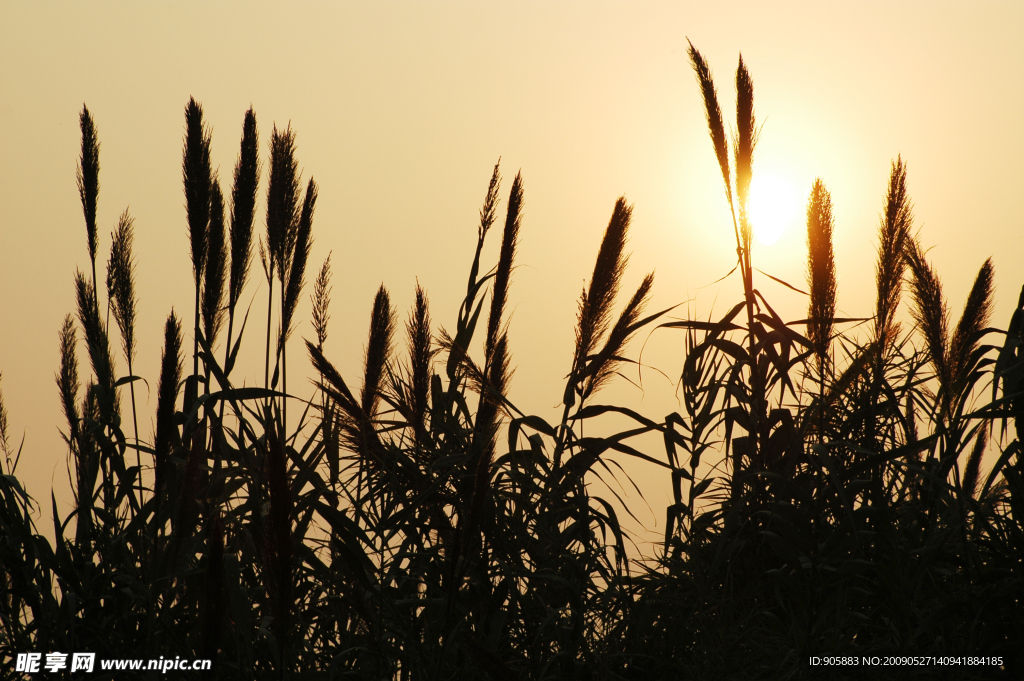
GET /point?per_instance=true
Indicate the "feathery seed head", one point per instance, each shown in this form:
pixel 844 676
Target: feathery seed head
pixel 214 274
pixel 196 175
pixel 121 282
pixel 89 177
pixel 746 139
pixel 930 311
pixel 171 368
pixel 973 322
pixel 67 379
pixel 243 207
pixel 420 353
pixel 378 350
pixel 821 271
pixel 282 202
pixel 509 240
pixel 490 207
pixel 299 256
pixel 322 302
pixel 713 113
pixel 894 233
pixel 3 430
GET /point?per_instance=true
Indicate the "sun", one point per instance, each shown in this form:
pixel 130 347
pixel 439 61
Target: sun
pixel 773 206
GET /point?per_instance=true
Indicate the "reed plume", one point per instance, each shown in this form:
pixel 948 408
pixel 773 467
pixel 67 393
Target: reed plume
pixel 282 219
pixel 322 302
pixel 744 143
pixel 821 273
pixel 216 265
pixel 121 292
pixel 894 233
pixel 930 312
pixel 89 181
pixel 282 201
pixel 713 113
pixel 496 356
pixel 297 267
pixel 969 330
pixel 243 207
pixel 606 362
pixel 121 284
pixel 595 306
pixel 171 367
pixel 197 178
pixel 98 345
pixel 489 211
pixel 3 429
pixel 67 380
pixel 378 351
pixel 421 357
pixel 509 240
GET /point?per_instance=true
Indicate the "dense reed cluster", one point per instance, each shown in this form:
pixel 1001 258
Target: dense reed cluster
pixel 830 487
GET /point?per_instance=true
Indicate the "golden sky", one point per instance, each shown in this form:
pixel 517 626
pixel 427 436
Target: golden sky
pixel 401 110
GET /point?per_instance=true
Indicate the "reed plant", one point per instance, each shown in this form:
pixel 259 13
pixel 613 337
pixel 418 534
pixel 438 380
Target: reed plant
pixel 411 523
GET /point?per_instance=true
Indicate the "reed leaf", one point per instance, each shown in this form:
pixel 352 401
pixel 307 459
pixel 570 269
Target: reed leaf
pixel 972 470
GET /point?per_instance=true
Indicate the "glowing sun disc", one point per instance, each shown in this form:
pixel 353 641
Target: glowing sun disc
pixel 772 207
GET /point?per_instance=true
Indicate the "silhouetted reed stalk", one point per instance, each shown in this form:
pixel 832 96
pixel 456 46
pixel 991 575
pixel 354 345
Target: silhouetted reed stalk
pixel 821 279
pixel 282 224
pixel 243 209
pixel 166 438
pixel 121 291
pixel 320 315
pixel 496 357
pixel 379 347
pixel 292 290
pixel 743 149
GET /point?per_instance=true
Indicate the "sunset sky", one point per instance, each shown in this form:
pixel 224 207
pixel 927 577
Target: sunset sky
pixel 401 110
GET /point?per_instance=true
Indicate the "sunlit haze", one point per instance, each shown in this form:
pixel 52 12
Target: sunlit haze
pixel 401 110
pixel 773 207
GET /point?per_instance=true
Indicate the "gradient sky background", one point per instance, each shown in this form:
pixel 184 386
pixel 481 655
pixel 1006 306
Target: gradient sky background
pixel 401 110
